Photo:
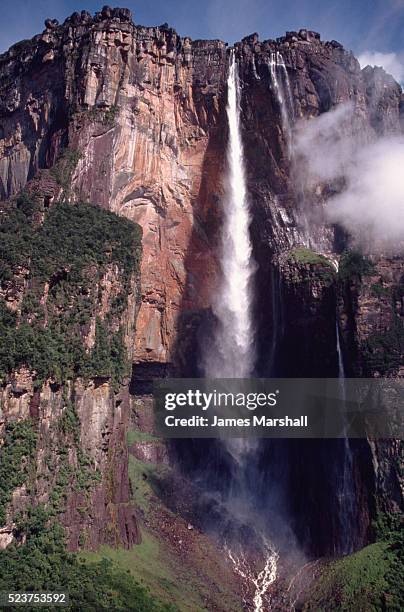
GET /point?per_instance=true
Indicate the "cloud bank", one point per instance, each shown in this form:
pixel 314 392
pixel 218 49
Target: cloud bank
pixel 370 205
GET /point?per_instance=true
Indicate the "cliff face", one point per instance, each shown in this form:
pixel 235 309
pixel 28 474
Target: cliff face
pixel 133 120
pixel 68 304
pixel 142 107
pixel 146 110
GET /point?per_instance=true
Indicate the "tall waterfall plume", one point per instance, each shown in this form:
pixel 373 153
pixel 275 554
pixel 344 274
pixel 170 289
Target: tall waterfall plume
pixel 281 88
pixel 232 355
pixel 346 492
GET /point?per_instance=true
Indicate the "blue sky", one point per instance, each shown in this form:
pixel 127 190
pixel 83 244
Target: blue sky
pixel 371 26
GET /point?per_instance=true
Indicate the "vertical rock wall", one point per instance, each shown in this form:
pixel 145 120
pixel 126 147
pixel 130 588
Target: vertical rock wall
pixel 143 112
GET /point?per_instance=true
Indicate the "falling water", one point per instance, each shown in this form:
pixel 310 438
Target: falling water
pixel 277 318
pixel 341 369
pixel 280 84
pixel 346 493
pixel 263 580
pixel 233 354
pixel 286 84
pixel 282 90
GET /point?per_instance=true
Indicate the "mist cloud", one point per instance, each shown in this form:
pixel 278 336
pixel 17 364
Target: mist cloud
pixel 370 205
pixel 391 62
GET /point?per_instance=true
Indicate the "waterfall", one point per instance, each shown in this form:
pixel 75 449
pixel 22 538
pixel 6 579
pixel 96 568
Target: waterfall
pixel 233 351
pixel 277 318
pixel 346 486
pixel 285 84
pixel 231 355
pixel 283 93
pixel 341 369
pixel 281 88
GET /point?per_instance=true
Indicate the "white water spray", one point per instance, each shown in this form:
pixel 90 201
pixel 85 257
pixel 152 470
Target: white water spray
pixel 286 85
pixel 282 90
pixel 263 580
pixel 233 354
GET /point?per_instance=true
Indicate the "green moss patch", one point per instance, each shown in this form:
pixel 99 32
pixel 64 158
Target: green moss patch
pixel 142 478
pixel 379 290
pixel 135 435
pixel 306 256
pixel 320 266
pixel 64 167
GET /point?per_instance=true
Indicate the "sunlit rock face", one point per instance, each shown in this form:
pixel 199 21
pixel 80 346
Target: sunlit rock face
pixel 145 110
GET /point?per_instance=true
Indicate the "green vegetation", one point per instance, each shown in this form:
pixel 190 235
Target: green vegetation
pixel 80 475
pixel 38 559
pixel 81 235
pixel 189 576
pixel 16 237
pixel 188 581
pixel 17 457
pixel 147 562
pixel 66 258
pixel 306 256
pixel 387 526
pixel 135 435
pixel 42 564
pixel 155 564
pixel 64 167
pixel 383 351
pixel 110 115
pixel 108 357
pixel 17 461
pixel 357 582
pixel 323 268
pixel 354 264
pixel 370 580
pixel 106 116
pixel 143 477
pixel 379 291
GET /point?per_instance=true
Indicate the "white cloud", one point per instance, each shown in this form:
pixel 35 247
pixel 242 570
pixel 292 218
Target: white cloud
pixel 391 62
pixel 371 203
pixel 325 143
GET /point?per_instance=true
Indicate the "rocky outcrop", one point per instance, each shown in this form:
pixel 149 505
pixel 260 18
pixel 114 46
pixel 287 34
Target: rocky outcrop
pixel 307 301
pixel 79 467
pixel 371 315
